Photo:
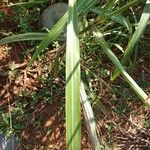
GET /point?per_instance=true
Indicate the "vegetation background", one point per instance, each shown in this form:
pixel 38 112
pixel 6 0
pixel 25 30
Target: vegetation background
pixel 32 103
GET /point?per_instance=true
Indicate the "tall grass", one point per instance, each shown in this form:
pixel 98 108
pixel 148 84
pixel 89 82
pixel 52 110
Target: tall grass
pixel 136 36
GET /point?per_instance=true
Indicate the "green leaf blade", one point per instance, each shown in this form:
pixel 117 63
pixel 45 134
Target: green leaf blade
pixel 73 110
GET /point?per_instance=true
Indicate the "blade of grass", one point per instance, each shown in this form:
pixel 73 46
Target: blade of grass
pixel 110 4
pixel 23 37
pixel 90 118
pixel 73 111
pixel 142 95
pixel 136 36
pixel 117 18
pixel 84 6
pixel 26 4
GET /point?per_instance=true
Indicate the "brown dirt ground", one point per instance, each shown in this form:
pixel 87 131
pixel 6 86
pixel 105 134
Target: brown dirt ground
pixel 52 116
pixel 32 137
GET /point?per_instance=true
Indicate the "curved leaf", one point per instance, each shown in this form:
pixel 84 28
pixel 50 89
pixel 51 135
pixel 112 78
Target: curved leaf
pixel 23 37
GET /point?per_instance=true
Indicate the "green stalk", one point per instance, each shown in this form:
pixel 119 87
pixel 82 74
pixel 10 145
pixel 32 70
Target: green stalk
pixel 73 111
pixel 89 118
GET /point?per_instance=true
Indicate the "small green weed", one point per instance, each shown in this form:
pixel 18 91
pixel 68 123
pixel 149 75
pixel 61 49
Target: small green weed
pixel 26 18
pixel 2 17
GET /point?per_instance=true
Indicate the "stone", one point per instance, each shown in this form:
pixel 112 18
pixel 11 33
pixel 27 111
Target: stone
pixel 11 143
pixel 51 15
